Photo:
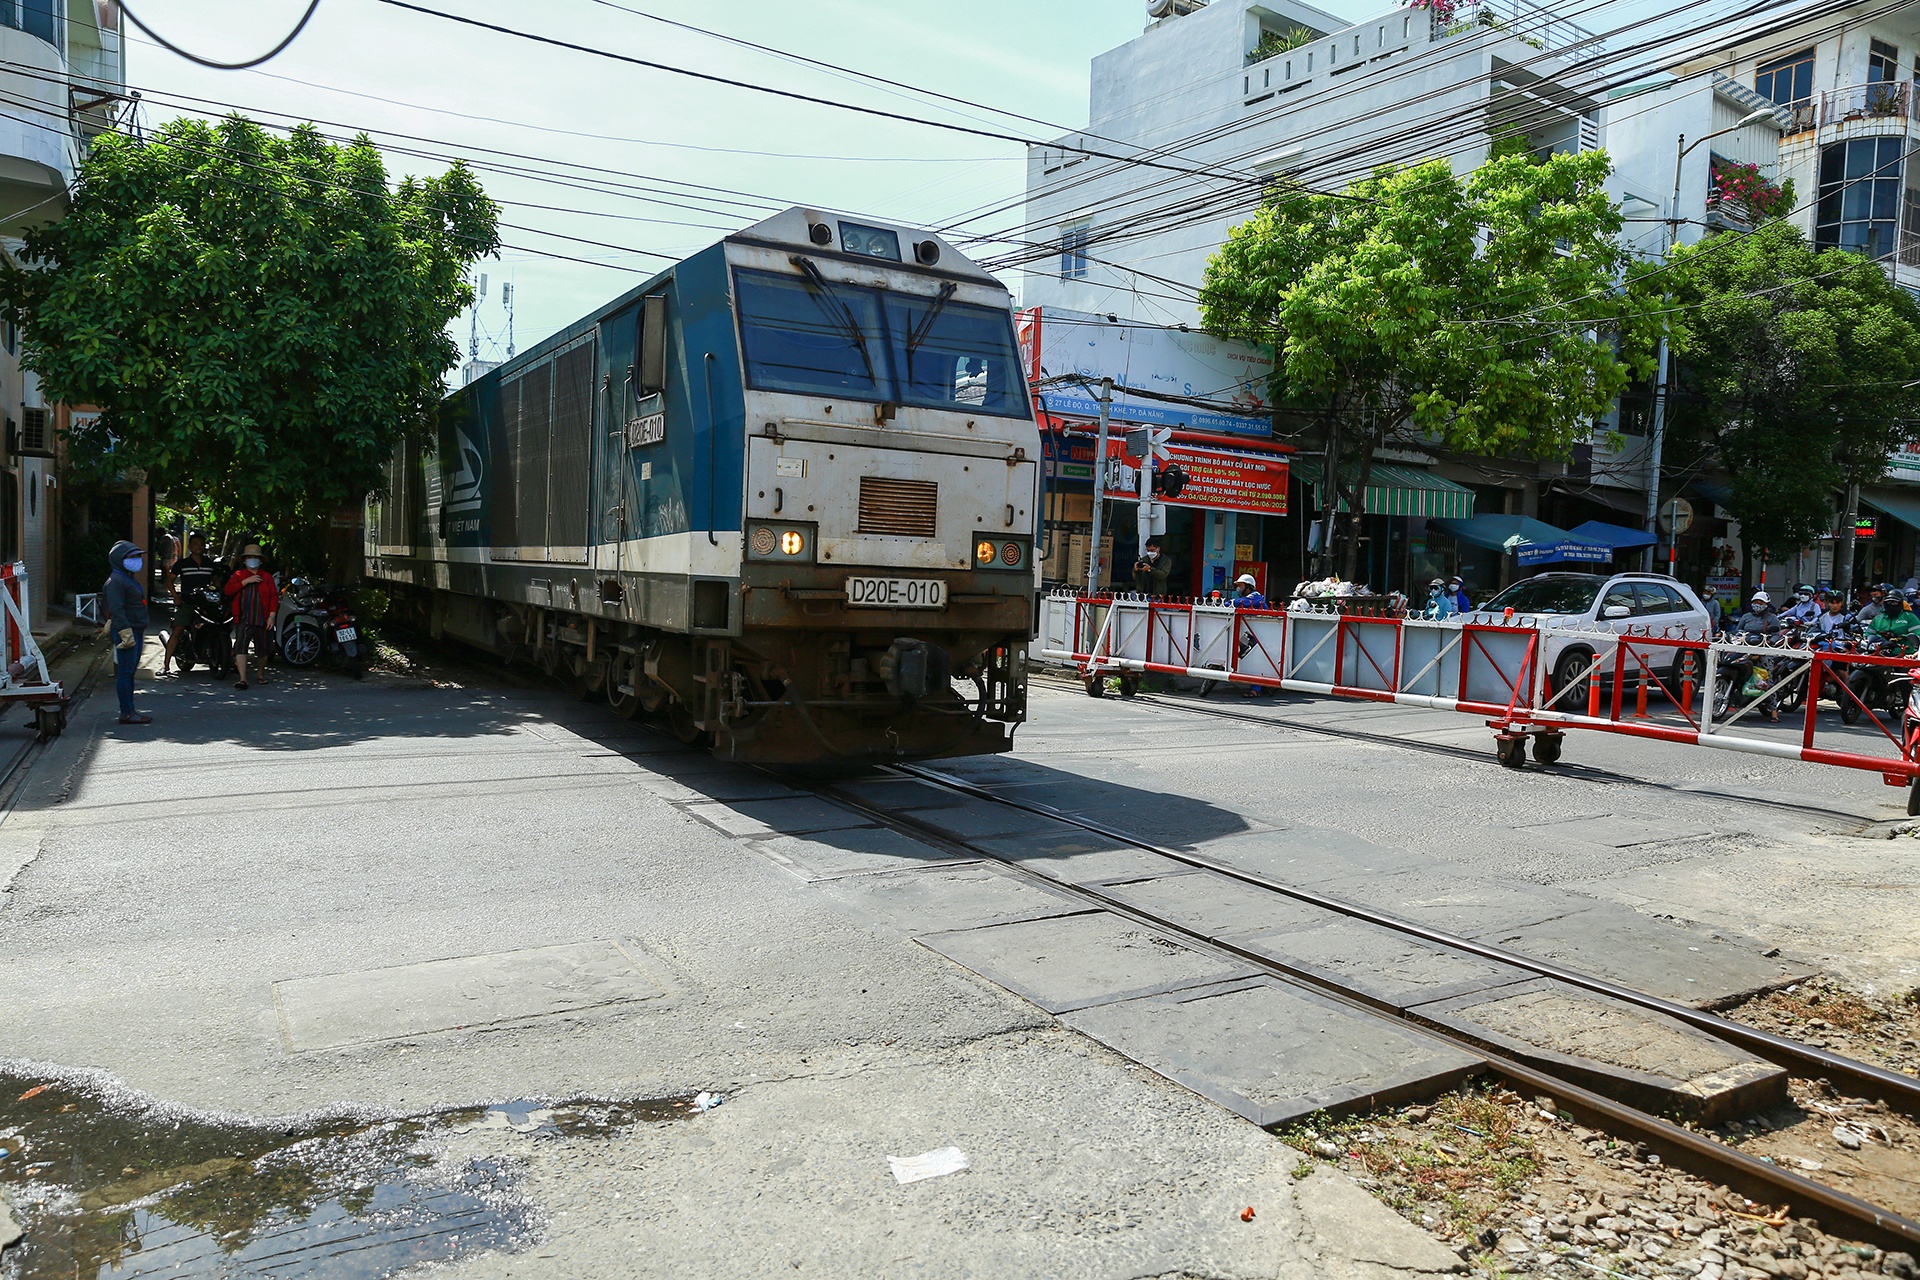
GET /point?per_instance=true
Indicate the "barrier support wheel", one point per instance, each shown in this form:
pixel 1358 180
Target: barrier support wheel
pixel 1129 685
pixel 1511 750
pixel 1913 798
pixel 1546 747
pixel 1096 686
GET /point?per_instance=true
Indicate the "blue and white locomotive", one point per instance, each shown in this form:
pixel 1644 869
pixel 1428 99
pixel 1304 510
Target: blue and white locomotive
pixel 784 493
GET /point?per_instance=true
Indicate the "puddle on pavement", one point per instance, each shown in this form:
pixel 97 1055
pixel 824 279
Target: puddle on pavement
pixel 110 1184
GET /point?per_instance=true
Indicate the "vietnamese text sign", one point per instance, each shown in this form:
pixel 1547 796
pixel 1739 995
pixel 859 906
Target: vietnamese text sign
pixel 1230 481
pixel 1532 553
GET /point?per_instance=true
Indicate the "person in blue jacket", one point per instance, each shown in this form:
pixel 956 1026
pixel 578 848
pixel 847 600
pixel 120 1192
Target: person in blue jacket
pixel 1458 590
pixel 125 598
pixel 1441 603
pixel 1246 593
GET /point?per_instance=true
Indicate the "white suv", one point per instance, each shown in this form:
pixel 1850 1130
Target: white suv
pixel 1626 603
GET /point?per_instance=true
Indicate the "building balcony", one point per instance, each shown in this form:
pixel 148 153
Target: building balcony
pixel 1729 213
pixel 1890 101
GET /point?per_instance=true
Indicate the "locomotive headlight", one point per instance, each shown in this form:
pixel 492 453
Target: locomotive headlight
pixel 781 541
pixel 997 551
pixel 984 553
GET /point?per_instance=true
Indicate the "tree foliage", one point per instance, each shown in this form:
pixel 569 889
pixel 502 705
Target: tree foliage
pixel 259 318
pixel 1476 313
pixel 1791 367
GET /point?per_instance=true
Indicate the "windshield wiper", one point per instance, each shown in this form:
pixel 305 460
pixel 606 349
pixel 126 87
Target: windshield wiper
pixel 848 322
pixel 920 331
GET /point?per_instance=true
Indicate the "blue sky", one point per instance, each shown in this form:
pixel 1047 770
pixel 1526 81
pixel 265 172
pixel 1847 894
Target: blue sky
pixel 366 64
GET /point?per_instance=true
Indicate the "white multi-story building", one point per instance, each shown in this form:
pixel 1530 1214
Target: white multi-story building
pixel 62 82
pixel 1216 99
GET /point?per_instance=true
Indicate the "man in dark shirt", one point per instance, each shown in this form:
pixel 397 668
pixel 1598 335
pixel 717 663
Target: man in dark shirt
pixel 192 572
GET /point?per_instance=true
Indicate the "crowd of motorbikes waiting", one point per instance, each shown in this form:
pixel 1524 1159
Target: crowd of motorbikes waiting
pixel 232 614
pixel 1880 620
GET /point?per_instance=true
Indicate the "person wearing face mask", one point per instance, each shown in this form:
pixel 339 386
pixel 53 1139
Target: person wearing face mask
pixel 256 600
pixel 1150 570
pixel 125 597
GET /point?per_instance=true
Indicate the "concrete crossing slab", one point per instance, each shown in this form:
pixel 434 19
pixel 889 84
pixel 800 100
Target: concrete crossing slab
pixel 1380 963
pixel 972 819
pixel 1218 905
pixel 1661 958
pixel 857 851
pixel 1067 853
pixel 1441 897
pixel 796 816
pixel 1274 1052
pixel 1072 962
pixel 964 896
pixel 898 795
pixel 1309 856
pixel 1623 1051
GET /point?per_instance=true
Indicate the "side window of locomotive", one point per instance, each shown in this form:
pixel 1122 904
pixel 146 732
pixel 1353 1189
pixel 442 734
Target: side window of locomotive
pixel 822 338
pixel 955 355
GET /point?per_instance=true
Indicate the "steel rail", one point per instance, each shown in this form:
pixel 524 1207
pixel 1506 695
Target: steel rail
pixel 1757 1179
pixel 1804 1059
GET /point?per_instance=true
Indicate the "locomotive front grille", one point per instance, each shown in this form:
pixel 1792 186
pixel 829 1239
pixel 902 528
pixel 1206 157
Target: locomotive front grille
pixel 898 508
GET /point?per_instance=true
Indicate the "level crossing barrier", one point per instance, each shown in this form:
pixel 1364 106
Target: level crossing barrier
pixel 1533 679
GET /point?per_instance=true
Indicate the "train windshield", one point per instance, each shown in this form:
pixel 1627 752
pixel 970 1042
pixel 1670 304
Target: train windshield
pixel 811 335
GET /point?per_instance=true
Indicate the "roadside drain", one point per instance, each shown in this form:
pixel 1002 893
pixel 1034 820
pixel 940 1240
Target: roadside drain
pixel 109 1183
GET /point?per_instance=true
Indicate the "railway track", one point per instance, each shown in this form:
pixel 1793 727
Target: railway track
pixel 1760 1180
pixel 1590 773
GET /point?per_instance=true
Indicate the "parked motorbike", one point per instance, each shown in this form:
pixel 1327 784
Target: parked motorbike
pixel 205 635
pixel 317 621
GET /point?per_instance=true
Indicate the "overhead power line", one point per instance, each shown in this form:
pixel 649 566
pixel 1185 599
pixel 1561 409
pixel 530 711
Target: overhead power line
pixel 195 58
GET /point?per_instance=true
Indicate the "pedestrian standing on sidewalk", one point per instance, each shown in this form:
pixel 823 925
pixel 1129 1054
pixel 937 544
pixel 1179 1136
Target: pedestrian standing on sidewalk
pixel 126 602
pixel 256 601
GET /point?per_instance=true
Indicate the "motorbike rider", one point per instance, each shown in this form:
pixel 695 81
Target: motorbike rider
pixel 194 571
pixel 1875 606
pixel 1441 603
pixel 256 601
pixel 1834 617
pixel 125 599
pixel 1804 608
pixel 1897 620
pixel 1759 625
pixel 1458 590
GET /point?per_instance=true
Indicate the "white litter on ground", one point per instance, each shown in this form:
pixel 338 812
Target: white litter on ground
pixel 932 1164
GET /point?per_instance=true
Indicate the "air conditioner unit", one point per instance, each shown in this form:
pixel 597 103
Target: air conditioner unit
pixel 36 433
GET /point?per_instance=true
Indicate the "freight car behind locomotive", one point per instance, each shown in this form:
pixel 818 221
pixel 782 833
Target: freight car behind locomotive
pixel 784 493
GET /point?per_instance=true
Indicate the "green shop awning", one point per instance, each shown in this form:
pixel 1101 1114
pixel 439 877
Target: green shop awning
pixel 1902 505
pixel 1394 490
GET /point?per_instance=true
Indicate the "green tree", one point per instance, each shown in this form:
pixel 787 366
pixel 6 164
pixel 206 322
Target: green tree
pixel 1792 370
pixel 1477 314
pixel 259 318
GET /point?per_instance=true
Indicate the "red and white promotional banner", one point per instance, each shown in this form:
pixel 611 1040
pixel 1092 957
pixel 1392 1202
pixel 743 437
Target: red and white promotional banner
pixel 1226 481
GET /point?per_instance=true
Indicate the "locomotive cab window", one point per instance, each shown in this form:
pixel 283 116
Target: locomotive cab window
pixel 813 337
pixel 957 356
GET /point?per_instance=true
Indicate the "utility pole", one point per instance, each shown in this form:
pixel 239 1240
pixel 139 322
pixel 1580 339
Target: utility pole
pixel 506 300
pixel 1094 564
pixel 1657 445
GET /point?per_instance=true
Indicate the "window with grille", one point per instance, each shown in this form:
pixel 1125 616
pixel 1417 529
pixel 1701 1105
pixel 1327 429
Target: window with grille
pixel 1073 251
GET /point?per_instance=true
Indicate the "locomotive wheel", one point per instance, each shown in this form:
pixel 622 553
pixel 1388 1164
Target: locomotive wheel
pixel 681 722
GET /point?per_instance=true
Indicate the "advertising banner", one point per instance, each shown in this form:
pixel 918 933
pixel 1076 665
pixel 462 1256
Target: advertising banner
pixel 1223 481
pixel 1531 553
pixel 1228 378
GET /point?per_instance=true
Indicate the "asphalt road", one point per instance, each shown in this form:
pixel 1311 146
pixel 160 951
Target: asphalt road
pixel 393 897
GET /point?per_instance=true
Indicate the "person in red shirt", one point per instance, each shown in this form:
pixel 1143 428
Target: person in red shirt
pixel 256 601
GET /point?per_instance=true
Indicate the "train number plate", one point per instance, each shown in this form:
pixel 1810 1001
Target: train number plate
pixel 896 593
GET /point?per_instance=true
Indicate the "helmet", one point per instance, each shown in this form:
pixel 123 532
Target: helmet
pixel 1246 578
pixel 1437 582
pixel 1761 597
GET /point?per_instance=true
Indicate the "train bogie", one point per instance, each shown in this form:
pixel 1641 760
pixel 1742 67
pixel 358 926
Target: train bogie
pixel 784 493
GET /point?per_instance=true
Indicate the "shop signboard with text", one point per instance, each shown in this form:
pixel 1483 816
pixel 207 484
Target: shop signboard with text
pixel 1225 481
pixel 1214 384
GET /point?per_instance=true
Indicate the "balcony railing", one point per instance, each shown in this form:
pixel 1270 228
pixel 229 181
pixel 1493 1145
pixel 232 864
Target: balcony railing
pixel 1884 100
pixel 1530 23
